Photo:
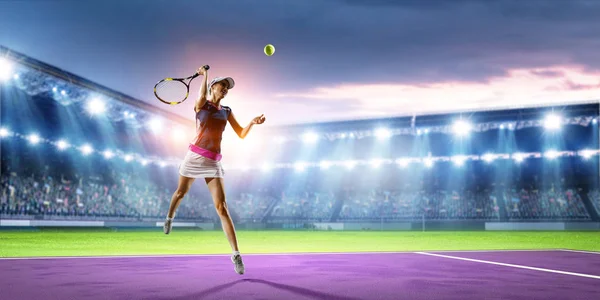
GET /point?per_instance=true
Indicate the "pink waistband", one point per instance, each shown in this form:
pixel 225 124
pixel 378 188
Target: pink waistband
pixel 205 153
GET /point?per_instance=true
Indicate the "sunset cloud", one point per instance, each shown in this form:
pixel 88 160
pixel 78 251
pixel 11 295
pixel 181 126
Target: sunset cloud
pixel 520 88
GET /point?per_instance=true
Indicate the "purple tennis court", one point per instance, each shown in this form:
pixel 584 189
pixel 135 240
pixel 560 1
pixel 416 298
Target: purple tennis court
pixel 552 274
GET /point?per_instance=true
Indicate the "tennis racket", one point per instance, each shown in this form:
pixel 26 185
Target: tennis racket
pixel 174 91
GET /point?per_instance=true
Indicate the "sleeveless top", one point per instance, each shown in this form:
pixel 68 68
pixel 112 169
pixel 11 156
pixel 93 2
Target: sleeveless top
pixel 210 124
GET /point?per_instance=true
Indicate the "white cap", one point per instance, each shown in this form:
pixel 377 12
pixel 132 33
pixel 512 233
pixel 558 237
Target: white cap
pixel 219 79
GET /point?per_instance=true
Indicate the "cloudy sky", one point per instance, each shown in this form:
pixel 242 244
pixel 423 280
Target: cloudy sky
pixel 334 59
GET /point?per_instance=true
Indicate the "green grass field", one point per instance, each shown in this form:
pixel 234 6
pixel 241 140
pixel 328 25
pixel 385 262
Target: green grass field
pixel 98 242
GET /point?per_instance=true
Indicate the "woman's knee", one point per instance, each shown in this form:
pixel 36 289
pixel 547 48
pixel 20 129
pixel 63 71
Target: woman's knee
pixel 221 208
pixel 184 186
pixel 180 193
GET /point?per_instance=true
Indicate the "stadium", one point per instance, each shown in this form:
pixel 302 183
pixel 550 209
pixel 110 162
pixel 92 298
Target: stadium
pixel 87 172
pixel 410 150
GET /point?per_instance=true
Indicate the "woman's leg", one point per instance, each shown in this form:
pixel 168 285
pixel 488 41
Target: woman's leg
pixel 185 183
pixel 217 190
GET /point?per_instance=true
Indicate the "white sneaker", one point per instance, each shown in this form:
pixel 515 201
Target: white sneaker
pixel 239 264
pixel 168 225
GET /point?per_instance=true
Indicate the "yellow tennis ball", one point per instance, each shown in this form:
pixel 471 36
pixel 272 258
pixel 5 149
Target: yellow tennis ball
pixel 269 50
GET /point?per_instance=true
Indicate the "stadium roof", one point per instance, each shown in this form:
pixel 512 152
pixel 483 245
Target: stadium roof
pixel 520 114
pixel 88 85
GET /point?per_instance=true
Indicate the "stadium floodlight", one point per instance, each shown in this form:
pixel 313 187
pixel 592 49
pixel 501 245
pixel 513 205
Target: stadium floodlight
pixel 376 162
pixel 462 128
pixel 402 162
pixel 488 157
pixel 518 157
pixel 428 162
pixel 63 92
pixel 551 154
pixel 128 157
pixel 163 164
pixel 108 154
pixel 54 89
pixel 552 122
pixel 459 160
pixel 383 133
pixel 6 69
pixel 424 131
pixel 343 135
pixel 586 153
pixel 62 145
pixel 96 106
pixel 324 164
pixel 16 76
pixel 350 164
pixel 310 137
pixel 595 120
pixel 128 115
pixel 4 132
pixel 34 138
pixel 501 126
pixel 299 166
pixel 86 149
pixel 144 162
pixel 156 125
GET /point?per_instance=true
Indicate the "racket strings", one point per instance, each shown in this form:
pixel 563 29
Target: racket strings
pixel 171 90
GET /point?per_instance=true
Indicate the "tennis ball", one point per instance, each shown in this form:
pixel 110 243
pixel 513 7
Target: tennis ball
pixel 269 50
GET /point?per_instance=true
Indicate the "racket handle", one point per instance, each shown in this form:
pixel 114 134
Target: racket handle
pixel 206 67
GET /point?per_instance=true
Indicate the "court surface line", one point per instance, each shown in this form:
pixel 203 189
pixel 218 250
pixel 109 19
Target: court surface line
pixel 580 251
pixel 511 265
pixel 269 254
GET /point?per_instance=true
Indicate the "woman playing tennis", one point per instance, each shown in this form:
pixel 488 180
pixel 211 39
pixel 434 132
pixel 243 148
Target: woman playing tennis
pixel 203 158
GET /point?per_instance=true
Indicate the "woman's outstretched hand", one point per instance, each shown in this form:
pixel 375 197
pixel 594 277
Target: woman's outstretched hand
pixel 259 120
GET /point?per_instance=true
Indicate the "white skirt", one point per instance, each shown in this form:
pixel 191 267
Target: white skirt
pixel 195 165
